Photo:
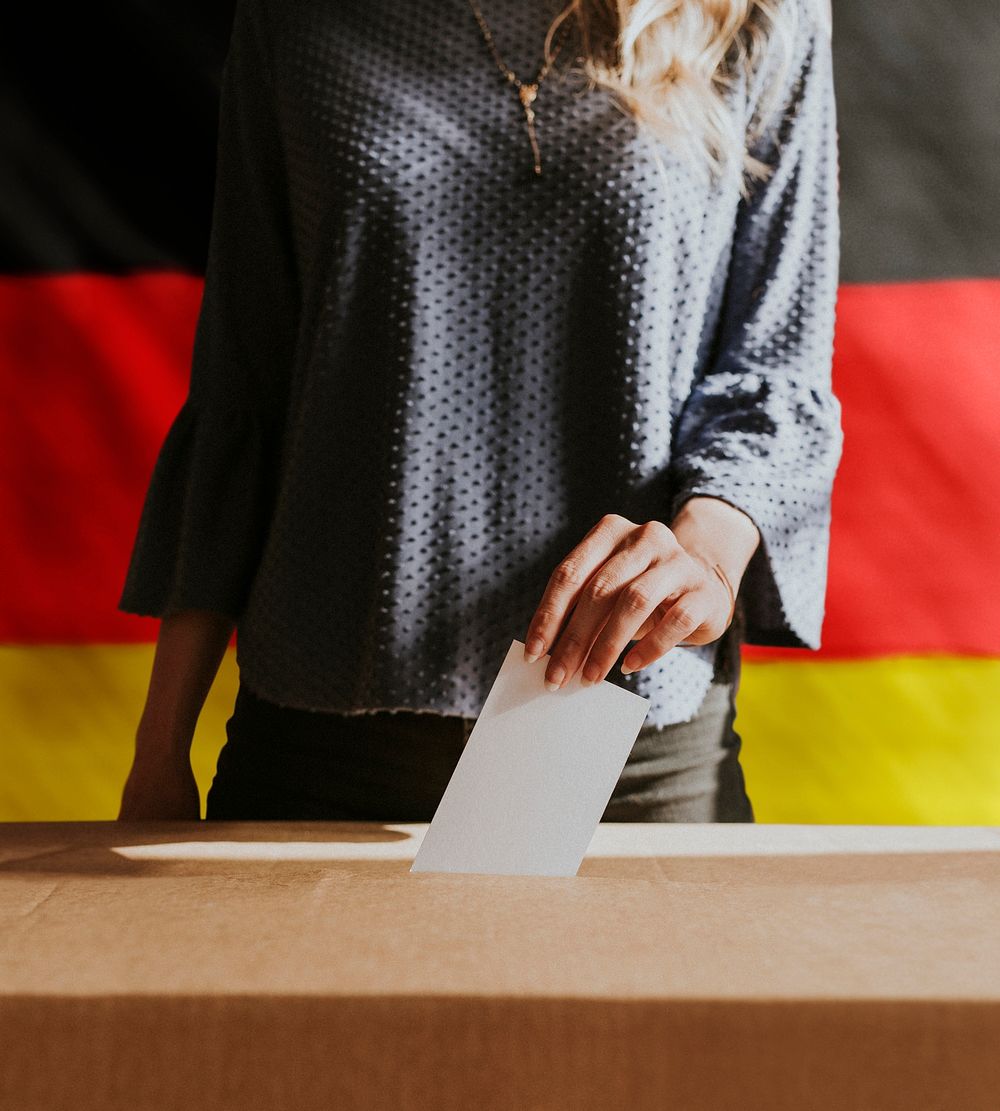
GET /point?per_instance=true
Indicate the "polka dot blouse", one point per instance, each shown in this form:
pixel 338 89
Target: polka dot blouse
pixel 422 372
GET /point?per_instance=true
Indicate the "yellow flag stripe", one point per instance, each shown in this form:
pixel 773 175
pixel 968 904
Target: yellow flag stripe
pixel 900 740
pixel 897 740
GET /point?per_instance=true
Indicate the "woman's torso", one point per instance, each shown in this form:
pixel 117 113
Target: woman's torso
pixel 489 360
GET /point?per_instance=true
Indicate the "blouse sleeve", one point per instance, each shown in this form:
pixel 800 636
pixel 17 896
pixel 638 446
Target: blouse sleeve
pixel 209 500
pixel 761 428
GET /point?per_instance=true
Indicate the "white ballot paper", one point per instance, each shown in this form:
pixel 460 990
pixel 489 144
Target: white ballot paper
pixel 535 777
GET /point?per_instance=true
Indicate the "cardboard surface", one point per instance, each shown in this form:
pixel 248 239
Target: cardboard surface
pixel 535 775
pixel 302 965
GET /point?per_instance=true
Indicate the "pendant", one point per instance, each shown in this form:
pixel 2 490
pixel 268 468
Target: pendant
pixel 527 94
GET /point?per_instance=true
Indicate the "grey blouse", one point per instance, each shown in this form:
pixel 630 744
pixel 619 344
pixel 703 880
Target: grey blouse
pixel 422 372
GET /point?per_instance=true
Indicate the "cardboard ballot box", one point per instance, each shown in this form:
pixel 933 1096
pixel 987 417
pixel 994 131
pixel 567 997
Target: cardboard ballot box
pixel 303 966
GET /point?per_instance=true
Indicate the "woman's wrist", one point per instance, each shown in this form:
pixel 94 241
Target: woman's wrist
pixel 716 532
pixel 159 741
pixel 188 653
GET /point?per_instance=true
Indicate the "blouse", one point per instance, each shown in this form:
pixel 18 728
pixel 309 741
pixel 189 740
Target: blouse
pixel 422 372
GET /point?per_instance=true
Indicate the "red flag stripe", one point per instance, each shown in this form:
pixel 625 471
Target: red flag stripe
pixel 915 542
pixel 95 368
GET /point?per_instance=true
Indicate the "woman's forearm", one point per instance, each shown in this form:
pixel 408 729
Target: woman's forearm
pixel 189 650
pixel 714 531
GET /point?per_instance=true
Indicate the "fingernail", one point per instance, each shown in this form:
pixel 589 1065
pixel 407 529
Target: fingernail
pixel 630 664
pixel 558 674
pixel 533 649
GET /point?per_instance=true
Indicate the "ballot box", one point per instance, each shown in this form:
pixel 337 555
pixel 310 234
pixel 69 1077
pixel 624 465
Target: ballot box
pixel 302 965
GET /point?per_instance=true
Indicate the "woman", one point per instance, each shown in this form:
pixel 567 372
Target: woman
pixel 517 324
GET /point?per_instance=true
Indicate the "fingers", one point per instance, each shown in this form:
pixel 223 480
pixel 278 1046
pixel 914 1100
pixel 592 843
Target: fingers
pixel 622 584
pixel 660 599
pixel 649 623
pixel 622 594
pixel 681 622
pixel 568 580
pixel 627 588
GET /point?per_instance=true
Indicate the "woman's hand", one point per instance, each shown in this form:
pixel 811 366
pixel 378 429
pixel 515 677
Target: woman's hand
pixel 636 582
pixel 160 787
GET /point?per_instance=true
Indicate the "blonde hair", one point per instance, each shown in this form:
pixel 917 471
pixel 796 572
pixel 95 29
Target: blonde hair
pixel 668 64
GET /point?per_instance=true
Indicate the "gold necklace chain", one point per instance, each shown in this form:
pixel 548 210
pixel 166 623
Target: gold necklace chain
pixel 526 93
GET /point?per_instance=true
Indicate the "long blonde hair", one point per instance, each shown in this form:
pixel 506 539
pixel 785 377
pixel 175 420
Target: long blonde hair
pixel 668 62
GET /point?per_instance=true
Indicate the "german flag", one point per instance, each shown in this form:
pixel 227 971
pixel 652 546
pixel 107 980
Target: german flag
pixel 107 178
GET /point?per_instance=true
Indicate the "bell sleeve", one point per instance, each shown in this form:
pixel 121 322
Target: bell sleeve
pixel 761 428
pixel 209 500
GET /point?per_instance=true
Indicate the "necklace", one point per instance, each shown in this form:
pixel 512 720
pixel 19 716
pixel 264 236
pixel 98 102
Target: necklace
pixel 526 93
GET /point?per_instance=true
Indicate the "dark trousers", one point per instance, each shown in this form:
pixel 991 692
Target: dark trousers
pixel 393 766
